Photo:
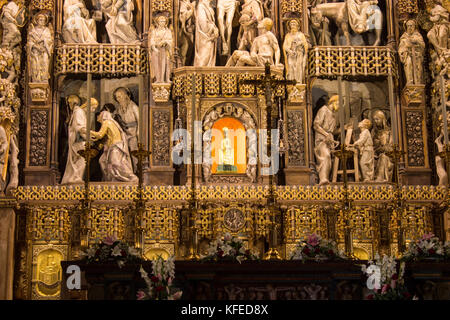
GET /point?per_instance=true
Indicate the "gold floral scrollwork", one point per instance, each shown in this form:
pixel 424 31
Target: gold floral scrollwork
pixel 301 221
pixel 106 221
pixel 49 224
pixel 42 4
pixel 229 87
pixel 161 5
pixel 160 224
pixel 212 85
pixel 288 6
pixel 407 6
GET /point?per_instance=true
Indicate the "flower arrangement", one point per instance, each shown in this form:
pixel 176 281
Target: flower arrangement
pixel 428 247
pixel 228 248
pixel 385 280
pixel 160 283
pixel 110 249
pixel 317 249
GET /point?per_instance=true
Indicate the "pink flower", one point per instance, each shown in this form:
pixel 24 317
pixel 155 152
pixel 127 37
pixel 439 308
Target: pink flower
pixel 176 295
pixel 393 284
pixel 428 236
pixel 169 281
pixel 109 240
pixel 140 295
pixel 385 288
pixel 313 239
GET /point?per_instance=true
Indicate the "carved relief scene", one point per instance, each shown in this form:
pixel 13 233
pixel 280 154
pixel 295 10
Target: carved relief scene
pixel 168 124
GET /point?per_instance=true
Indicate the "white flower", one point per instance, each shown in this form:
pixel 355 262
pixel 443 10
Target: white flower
pixel 227 237
pixel 120 263
pixel 90 252
pixel 116 251
pixel 133 252
pixel 240 258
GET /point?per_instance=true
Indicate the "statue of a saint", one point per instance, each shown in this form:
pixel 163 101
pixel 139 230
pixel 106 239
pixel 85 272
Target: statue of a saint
pixel 120 25
pixel 225 15
pixel 78 27
pixel 440 162
pixel 115 161
pixel 186 30
pixel 411 51
pixel 366 153
pixel 383 142
pixel 40 48
pixel 364 15
pixel 324 127
pixel 129 113
pixel 295 49
pixel 226 154
pixel 13 18
pixel 8 150
pixel 76 164
pixel 206 34
pixel 264 49
pixel 161 49
pixel 439 37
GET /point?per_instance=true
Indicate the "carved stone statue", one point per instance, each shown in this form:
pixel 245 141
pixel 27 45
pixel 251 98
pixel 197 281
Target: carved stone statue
pixel 13 18
pixel 207 160
pixel 120 25
pixel 115 161
pixel 324 127
pixel 360 15
pixel 186 30
pixel 226 153
pixel 295 48
pixel 251 14
pixel 40 49
pixel 439 37
pixel 319 33
pixel 383 142
pixel 206 34
pixel 440 162
pixel 76 164
pixel 366 152
pixel 252 155
pixel 411 50
pixel 225 15
pixel 264 49
pixel 78 27
pixel 129 113
pixel 8 150
pixel 161 50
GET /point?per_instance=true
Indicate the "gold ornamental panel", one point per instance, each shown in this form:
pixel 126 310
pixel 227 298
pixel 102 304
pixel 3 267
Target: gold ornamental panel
pixel 42 4
pixel 106 221
pixel 46 271
pixel 416 220
pixel 160 223
pixel 407 6
pixel 49 223
pixel 161 5
pixel 288 6
pixel 356 61
pixel 363 193
pixel 219 81
pixel 300 221
pixel 112 59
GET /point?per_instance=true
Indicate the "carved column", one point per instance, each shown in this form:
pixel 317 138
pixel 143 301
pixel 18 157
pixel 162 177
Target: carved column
pixel 414 131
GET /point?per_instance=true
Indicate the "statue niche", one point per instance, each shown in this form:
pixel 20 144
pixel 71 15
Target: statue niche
pixel 229 145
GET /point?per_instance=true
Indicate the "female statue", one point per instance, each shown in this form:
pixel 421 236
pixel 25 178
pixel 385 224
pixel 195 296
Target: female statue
pixel 78 27
pixel 115 160
pixel 120 26
pixel 206 34
pixel 382 142
pixel 40 48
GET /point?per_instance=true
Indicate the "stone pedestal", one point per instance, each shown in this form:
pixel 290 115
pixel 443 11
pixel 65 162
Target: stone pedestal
pixel 7 224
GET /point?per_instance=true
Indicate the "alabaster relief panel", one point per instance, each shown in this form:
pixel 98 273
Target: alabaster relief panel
pixel 366 129
pixel 347 23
